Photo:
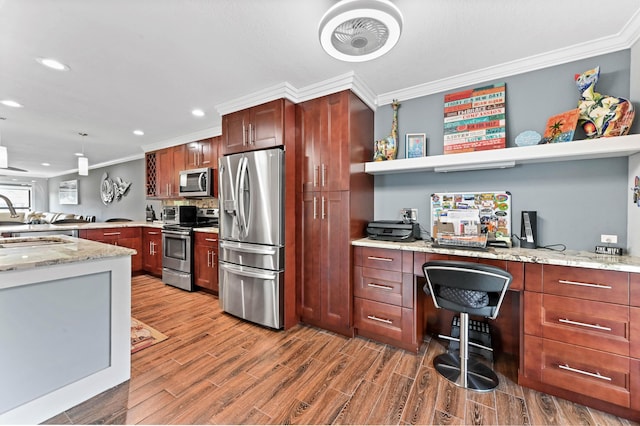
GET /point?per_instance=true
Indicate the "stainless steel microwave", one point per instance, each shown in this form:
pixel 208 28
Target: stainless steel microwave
pixel 196 183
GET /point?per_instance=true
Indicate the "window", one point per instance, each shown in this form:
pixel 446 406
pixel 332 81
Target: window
pixel 19 195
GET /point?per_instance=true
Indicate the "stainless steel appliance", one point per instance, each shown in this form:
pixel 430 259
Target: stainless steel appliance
pixel 196 183
pixel 175 215
pixel 251 269
pixel 177 247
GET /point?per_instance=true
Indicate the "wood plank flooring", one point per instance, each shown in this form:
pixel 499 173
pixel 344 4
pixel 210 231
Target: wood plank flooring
pixel 216 369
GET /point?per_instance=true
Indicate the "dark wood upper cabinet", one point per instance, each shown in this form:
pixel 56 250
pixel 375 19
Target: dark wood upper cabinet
pixel 253 128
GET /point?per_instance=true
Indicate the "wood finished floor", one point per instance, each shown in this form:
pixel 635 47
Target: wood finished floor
pixel 216 369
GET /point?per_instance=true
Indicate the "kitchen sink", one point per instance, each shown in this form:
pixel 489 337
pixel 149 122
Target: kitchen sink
pixel 10 223
pixel 31 242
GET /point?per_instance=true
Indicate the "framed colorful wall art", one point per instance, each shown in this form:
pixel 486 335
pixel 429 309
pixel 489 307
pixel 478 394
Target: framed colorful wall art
pixel 415 145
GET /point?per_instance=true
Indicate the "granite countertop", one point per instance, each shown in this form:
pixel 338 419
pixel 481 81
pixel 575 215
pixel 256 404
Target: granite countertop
pixel 20 227
pixel 581 259
pixel 32 252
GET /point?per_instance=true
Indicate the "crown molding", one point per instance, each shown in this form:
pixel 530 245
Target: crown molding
pixel 182 139
pixel 624 39
pixel 279 91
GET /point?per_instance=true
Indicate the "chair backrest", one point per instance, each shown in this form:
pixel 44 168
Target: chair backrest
pixel 474 288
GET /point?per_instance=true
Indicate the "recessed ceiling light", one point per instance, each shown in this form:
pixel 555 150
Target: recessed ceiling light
pixel 79 154
pixel 198 112
pixel 45 164
pixel 138 132
pixel 53 64
pixel 10 103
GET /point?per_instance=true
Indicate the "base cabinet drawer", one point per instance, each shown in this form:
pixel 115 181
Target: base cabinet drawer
pixel 378 284
pixel 384 320
pixel 596 325
pixel 596 374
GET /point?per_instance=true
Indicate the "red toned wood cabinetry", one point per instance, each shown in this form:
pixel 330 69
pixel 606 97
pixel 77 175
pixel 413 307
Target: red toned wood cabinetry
pixel 130 237
pixel 206 261
pixel 254 128
pixel 167 164
pixel 336 130
pixel 152 251
pixel 387 305
pixel 202 153
pixel 580 334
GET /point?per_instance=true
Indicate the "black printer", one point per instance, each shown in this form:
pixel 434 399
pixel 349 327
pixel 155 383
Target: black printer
pixel 393 230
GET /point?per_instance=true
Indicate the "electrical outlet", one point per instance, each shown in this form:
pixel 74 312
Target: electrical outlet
pixel 409 214
pixel 609 239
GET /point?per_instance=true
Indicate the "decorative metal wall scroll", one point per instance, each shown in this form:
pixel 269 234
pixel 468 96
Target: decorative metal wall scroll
pixel 112 189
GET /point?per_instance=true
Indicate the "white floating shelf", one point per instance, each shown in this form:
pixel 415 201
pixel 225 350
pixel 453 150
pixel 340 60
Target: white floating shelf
pixel 620 146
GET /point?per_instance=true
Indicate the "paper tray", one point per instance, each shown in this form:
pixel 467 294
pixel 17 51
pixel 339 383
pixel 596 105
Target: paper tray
pixel 471 241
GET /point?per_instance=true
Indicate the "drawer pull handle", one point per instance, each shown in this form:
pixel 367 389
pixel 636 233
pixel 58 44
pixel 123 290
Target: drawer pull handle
pixel 380 286
pixel 584 324
pixel 375 318
pixel 384 259
pixel 586 373
pixel 584 284
pixel 210 240
pixel 111 233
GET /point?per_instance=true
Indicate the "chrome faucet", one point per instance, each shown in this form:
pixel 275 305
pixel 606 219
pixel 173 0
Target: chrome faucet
pixel 12 211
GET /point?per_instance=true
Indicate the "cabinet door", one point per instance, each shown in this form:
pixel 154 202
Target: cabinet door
pixel 234 132
pixel 335 159
pixel 193 154
pixel 179 163
pixel 152 251
pixel 209 149
pixel 136 244
pixel 310 290
pixel 310 118
pixel 335 259
pixel 265 129
pixel 164 170
pixel 206 261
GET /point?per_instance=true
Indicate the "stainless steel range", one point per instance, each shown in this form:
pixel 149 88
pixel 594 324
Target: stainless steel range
pixel 177 249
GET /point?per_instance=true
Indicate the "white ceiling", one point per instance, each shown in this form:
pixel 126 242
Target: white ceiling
pixel 145 64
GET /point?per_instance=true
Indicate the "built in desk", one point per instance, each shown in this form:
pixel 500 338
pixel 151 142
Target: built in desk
pixel 571 318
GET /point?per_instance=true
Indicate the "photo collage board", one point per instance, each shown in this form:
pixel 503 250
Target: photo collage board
pixel 487 212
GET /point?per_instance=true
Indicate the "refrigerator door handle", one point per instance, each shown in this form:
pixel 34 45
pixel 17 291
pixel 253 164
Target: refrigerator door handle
pixel 237 270
pixel 238 196
pixel 244 164
pixel 247 249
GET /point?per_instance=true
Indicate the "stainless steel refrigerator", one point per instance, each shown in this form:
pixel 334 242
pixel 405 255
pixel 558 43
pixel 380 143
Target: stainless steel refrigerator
pixel 251 233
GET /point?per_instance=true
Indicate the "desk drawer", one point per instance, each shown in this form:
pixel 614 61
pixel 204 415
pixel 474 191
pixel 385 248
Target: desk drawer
pixel 386 320
pixel 597 325
pixel 585 371
pixel 590 284
pixel 378 284
pixel 390 260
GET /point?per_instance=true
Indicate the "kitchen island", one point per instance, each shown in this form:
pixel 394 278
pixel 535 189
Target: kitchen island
pixel 65 312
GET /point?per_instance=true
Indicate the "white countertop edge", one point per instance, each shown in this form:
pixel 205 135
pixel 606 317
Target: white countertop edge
pixel 581 259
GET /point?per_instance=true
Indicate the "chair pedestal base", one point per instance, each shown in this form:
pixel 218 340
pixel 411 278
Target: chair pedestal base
pixel 479 377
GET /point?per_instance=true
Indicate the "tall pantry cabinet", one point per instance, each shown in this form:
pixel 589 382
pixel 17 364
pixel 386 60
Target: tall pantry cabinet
pixel 335 139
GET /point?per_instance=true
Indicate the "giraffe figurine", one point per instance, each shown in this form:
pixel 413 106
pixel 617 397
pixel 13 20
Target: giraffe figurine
pixel 387 148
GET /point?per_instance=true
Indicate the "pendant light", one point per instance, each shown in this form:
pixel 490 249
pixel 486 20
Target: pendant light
pixel 83 162
pixel 360 30
pixel 4 156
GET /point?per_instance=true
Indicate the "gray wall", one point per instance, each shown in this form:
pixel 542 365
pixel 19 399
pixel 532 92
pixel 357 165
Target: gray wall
pixel 576 201
pixel 131 206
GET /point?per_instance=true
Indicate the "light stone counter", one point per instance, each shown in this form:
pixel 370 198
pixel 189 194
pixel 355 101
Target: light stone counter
pixel 580 259
pixel 71 250
pixel 74 226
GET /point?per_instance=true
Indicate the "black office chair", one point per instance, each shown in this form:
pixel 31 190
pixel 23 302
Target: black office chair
pixel 468 289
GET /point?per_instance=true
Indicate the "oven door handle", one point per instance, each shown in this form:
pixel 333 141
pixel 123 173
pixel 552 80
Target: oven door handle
pixel 182 233
pixel 247 249
pixel 238 270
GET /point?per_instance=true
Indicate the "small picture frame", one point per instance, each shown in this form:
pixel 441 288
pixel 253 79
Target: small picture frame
pixel 415 145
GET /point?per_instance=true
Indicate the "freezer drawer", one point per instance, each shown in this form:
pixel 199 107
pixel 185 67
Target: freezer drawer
pixel 253 255
pixel 253 294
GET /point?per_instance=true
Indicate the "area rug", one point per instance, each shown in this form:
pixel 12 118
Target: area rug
pixel 143 336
